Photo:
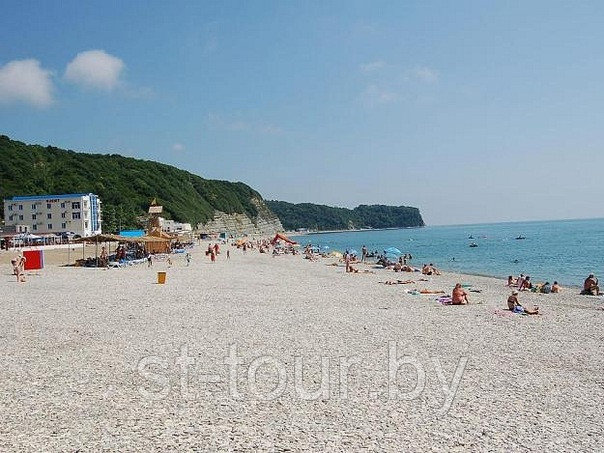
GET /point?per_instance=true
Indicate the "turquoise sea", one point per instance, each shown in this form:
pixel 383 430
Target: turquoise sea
pixel 563 250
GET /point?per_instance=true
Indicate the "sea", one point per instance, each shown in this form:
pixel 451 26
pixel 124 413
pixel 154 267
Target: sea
pixel 563 250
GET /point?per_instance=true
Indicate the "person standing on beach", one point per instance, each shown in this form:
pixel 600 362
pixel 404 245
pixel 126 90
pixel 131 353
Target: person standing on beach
pixel 228 254
pixel 363 254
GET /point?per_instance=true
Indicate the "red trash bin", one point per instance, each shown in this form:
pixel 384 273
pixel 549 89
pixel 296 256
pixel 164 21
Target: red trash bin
pixel 34 259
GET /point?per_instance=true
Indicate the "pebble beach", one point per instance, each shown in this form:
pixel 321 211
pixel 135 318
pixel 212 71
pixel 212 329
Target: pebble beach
pixel 284 354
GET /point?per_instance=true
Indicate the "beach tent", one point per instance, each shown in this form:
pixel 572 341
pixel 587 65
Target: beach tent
pixel 282 237
pixel 392 251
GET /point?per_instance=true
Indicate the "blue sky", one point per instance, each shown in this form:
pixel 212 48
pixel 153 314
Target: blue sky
pixel 473 111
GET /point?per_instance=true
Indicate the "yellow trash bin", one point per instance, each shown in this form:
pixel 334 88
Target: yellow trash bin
pixel 161 278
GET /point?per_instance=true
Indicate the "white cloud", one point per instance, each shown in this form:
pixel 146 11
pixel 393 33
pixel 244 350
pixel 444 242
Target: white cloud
pixel 26 81
pixel 95 69
pixel 373 66
pixel 425 74
pixel 178 147
pixel 374 95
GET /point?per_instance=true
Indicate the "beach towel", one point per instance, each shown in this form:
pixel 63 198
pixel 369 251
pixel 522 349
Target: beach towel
pixel 445 300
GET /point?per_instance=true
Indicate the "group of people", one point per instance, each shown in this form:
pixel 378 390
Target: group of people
pixel 524 283
pixel 214 250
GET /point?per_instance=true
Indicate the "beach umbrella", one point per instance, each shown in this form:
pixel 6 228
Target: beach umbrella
pixel 392 251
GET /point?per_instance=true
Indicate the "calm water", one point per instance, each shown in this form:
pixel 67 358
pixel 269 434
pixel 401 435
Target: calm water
pixel 565 250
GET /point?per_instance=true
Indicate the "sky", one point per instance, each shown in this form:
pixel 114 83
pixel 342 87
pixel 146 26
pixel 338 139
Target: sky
pixel 472 111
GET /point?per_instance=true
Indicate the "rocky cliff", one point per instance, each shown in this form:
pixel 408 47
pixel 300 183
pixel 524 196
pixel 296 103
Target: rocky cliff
pixel 264 223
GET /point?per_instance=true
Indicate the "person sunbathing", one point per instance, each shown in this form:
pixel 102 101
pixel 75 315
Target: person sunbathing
pixel 511 281
pixel 434 270
pixel 353 270
pixel 556 287
pixel 515 307
pixel 526 284
pixel 590 286
pixel 459 295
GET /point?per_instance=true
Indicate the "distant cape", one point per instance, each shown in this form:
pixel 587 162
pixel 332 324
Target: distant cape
pixel 321 217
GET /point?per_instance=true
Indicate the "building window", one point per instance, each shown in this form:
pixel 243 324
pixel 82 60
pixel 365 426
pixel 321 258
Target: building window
pixel 63 225
pixel 75 215
pixel 62 215
pixel 34 227
pixel 48 206
pixel 49 216
pixel 75 205
pixel 20 207
pixel 63 205
pixel 33 217
pixel 86 224
pixel 33 207
pixel 10 207
pixel 20 217
pixel 49 226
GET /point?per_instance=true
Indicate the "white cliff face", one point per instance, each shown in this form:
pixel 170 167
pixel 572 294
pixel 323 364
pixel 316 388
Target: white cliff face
pixel 265 223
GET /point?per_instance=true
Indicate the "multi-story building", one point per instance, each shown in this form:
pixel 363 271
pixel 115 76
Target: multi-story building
pixel 170 226
pixel 78 213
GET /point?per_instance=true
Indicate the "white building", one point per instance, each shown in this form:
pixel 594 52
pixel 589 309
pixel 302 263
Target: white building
pixel 79 213
pixel 170 226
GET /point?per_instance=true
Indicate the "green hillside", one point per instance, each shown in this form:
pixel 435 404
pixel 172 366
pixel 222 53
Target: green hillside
pixel 321 217
pixel 125 185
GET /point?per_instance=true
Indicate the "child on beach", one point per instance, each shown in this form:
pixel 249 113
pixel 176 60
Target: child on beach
pixel 19 268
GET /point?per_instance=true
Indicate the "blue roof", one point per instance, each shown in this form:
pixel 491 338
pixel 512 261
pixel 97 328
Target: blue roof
pixel 132 233
pixel 38 197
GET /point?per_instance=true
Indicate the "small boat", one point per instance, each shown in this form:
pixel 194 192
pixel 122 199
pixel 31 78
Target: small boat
pixel 470 237
pixel 473 244
pixel 519 238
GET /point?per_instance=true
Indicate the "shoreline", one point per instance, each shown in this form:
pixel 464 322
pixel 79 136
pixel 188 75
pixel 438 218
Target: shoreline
pixel 355 230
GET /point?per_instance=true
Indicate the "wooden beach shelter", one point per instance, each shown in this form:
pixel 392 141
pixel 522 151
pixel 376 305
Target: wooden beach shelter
pixel 96 239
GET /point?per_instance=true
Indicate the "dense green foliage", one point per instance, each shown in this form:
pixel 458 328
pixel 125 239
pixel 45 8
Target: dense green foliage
pixel 124 185
pixel 321 217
